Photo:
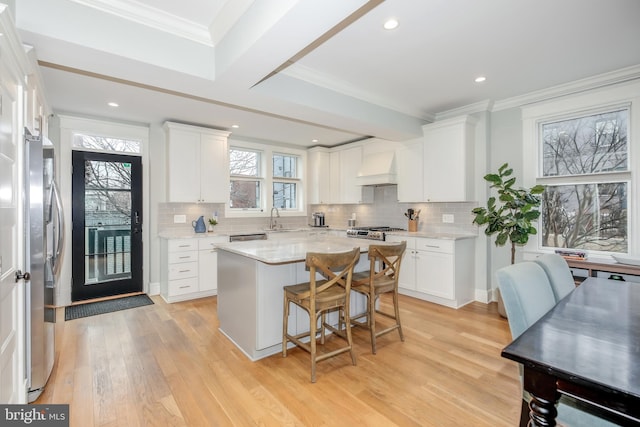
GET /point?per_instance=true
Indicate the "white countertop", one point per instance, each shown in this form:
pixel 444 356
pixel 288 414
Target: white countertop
pixel 189 235
pixel 281 251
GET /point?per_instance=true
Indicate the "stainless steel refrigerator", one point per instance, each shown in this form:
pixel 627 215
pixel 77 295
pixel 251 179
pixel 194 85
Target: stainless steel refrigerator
pixel 44 243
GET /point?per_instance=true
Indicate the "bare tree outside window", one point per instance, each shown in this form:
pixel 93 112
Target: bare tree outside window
pixel 244 168
pixel 591 212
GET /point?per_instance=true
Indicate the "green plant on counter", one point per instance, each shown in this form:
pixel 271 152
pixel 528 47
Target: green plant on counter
pixel 212 221
pixel 513 213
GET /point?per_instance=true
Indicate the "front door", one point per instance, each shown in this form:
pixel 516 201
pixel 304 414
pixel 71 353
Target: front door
pixel 107 225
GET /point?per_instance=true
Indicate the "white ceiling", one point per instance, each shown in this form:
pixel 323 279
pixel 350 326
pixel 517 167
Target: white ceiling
pixel 339 76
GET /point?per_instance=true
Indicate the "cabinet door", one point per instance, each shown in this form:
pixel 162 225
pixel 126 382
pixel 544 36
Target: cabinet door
pixel 208 270
pixel 448 160
pixel 409 166
pixel 407 279
pixel 350 162
pixel 183 166
pixel 434 274
pixel 334 177
pixel 318 179
pixel 214 173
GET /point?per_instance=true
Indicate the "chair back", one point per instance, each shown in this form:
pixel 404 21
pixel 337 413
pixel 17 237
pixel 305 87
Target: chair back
pixel 337 268
pixel 526 293
pixel 385 261
pixel 559 274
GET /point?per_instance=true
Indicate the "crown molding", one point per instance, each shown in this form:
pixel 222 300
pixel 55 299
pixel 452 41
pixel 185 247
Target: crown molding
pixel 151 17
pixel 601 80
pixel 477 107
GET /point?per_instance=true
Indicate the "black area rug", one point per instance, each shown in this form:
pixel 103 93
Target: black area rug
pixel 91 309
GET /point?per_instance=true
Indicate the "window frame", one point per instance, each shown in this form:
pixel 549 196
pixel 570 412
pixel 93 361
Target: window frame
pixel 579 105
pixel 266 167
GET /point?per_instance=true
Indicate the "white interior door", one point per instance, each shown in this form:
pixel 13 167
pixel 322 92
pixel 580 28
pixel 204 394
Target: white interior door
pixel 12 339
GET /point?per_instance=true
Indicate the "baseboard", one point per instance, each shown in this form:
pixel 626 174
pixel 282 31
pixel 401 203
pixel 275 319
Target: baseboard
pixel 154 288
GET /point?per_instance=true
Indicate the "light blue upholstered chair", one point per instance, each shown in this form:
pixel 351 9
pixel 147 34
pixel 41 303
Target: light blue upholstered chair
pixel 559 274
pixel 528 295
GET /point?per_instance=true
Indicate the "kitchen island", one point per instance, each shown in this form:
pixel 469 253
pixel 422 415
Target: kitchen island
pixel 251 276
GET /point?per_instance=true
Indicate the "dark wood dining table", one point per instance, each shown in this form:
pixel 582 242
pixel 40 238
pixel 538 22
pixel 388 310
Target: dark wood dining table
pixel 586 347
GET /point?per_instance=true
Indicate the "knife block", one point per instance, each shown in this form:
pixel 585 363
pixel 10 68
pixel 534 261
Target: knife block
pixel 413 225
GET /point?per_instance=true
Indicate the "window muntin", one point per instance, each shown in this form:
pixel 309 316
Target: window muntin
pixel 584 206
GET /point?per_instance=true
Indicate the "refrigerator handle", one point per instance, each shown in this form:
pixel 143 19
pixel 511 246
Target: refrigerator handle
pixel 59 245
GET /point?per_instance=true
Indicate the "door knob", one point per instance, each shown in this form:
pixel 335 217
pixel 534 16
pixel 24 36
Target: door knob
pixel 20 276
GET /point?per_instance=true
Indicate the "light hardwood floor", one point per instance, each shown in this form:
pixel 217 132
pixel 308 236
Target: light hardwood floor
pixel 168 365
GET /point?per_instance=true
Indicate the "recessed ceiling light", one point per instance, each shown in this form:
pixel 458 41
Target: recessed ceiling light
pixel 235 126
pixel 112 104
pixel 480 79
pixel 391 24
pixel 314 140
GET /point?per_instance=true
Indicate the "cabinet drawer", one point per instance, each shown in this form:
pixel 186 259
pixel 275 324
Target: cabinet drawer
pixel 210 243
pixel 435 245
pixel 183 271
pixel 618 276
pixel 179 257
pixel 179 245
pixel 183 286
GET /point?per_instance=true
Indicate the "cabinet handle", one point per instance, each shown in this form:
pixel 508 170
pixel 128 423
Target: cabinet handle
pixel 432 246
pixel 184 287
pixel 184 246
pixel 184 257
pixel 184 271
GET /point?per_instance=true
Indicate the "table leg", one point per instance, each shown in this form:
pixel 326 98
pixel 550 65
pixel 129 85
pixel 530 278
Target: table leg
pixel 544 396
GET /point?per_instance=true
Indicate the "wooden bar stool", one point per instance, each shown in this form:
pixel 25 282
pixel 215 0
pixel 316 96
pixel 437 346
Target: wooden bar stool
pixel 382 277
pixel 317 297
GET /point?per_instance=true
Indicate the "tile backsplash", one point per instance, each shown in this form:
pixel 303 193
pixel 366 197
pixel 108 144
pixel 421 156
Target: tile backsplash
pixel 385 210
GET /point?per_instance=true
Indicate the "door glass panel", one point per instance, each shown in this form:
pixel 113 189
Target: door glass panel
pixel 107 221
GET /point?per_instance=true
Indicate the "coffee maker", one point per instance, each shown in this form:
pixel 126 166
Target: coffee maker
pixel 318 219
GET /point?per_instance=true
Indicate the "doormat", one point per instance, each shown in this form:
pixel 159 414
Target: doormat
pixel 93 308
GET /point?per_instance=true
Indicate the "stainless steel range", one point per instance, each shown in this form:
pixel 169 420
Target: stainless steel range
pixel 372 233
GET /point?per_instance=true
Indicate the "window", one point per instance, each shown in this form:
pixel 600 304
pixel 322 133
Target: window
pixel 100 143
pixel 585 167
pixel 264 176
pixel 246 179
pixel 285 181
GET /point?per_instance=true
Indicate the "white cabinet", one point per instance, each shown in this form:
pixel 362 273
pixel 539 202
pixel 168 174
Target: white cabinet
pixel 197 165
pixel 449 160
pixel 437 270
pixel 189 267
pixel 319 178
pixel 332 176
pixel 409 160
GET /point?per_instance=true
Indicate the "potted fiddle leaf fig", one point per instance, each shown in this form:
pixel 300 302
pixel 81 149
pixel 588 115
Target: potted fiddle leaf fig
pixel 511 215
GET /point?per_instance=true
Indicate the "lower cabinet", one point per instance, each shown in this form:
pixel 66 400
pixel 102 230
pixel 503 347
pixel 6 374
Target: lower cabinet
pixel 438 270
pixel 189 268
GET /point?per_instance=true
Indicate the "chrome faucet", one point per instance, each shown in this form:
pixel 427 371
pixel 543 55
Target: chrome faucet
pixel 273 222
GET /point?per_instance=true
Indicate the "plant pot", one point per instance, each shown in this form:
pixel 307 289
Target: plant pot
pixel 211 228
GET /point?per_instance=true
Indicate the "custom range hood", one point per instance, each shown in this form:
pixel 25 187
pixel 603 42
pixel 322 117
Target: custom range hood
pixel 378 169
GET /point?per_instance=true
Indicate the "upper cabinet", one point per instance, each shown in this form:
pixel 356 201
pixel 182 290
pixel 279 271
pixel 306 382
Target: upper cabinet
pixel 409 159
pixel 318 185
pixel 449 160
pixel 332 176
pixel 197 165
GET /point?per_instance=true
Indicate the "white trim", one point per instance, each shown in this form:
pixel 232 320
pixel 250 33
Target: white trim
pixel 583 85
pixel 152 17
